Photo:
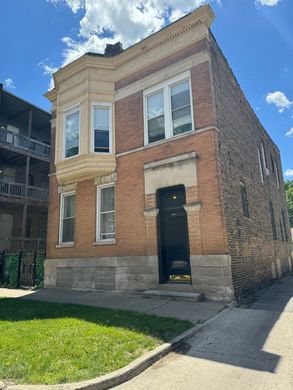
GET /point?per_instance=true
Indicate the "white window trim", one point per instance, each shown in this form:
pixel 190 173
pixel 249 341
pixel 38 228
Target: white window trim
pixel 68 111
pixel 99 240
pixel 166 86
pixel 62 196
pixel 102 105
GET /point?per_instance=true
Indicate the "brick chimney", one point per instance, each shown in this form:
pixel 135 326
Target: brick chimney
pixel 113 49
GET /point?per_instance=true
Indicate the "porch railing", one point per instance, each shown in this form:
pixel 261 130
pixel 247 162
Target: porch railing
pixel 13 244
pixel 20 190
pixel 19 141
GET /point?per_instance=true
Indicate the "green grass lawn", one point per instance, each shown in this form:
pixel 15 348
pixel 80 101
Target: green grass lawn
pixel 49 343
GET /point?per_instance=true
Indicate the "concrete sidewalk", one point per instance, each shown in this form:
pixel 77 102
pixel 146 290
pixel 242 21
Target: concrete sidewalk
pixel 245 348
pixel 183 310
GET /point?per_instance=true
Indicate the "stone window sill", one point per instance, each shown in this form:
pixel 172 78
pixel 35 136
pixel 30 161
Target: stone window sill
pixel 66 245
pixel 105 242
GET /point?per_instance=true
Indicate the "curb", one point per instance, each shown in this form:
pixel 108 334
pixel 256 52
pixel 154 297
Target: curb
pixel 126 373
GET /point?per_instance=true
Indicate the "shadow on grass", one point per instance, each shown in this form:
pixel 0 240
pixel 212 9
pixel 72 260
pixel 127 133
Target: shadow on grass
pixel 14 310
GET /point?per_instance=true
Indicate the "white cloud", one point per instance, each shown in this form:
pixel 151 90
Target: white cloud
pixel 289 132
pixel 269 3
pixel 75 5
pixel 48 71
pixel 8 83
pixel 122 20
pixel 279 99
pixel 289 172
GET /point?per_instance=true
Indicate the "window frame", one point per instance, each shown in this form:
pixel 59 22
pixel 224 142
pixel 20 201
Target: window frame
pixel 66 112
pixel 260 165
pixel 273 220
pixel 284 225
pixel 110 108
pixel 98 215
pixel 277 172
pixel 266 170
pixel 61 212
pixel 244 199
pixel 166 86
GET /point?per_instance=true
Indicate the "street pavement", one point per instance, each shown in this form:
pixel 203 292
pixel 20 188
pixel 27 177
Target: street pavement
pixel 250 347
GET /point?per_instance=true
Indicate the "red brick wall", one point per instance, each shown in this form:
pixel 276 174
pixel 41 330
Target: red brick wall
pixel 129 110
pixel 207 235
pixel 130 203
pixel 250 239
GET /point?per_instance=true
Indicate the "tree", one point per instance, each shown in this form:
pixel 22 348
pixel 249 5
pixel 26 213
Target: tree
pixel 289 197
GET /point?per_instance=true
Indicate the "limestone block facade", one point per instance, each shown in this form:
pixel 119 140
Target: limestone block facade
pixel 162 174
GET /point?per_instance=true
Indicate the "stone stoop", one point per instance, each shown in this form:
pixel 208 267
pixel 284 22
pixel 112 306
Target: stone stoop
pixel 173 295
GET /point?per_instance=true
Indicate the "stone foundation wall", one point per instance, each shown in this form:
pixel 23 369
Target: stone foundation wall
pixel 210 274
pixel 112 274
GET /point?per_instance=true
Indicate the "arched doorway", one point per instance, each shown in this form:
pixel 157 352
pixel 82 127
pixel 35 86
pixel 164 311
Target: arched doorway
pixel 173 242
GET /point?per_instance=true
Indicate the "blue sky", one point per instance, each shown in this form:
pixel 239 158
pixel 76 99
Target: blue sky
pixel 256 36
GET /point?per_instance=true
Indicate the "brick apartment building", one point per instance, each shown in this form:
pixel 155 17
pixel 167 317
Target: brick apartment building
pixel 163 176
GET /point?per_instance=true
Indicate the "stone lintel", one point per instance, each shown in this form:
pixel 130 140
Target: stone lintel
pixel 149 213
pixel 192 207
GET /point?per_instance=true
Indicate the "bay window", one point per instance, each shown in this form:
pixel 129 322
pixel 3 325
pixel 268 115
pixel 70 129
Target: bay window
pixel 72 130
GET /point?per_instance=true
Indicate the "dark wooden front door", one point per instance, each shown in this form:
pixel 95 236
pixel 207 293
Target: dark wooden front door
pixel 174 265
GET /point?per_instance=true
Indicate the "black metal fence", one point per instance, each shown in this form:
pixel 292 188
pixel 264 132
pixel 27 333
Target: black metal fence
pixel 21 269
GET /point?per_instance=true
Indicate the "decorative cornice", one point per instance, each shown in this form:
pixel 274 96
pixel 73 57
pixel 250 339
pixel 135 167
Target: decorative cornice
pixel 145 49
pixel 203 16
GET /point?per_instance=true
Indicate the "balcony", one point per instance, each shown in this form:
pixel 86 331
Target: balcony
pixel 28 244
pixel 23 144
pixel 21 191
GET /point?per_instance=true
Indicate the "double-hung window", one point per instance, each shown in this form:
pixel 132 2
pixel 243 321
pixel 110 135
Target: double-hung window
pixel 106 213
pixel 71 132
pixel 168 109
pixel 67 218
pixel 102 128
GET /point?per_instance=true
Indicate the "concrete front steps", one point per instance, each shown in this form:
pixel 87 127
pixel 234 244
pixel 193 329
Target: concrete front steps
pixel 182 292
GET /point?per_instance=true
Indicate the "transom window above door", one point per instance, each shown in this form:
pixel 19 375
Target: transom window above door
pixel 168 109
pixel 102 127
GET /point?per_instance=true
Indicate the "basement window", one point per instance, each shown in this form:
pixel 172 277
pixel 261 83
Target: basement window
pixel 168 109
